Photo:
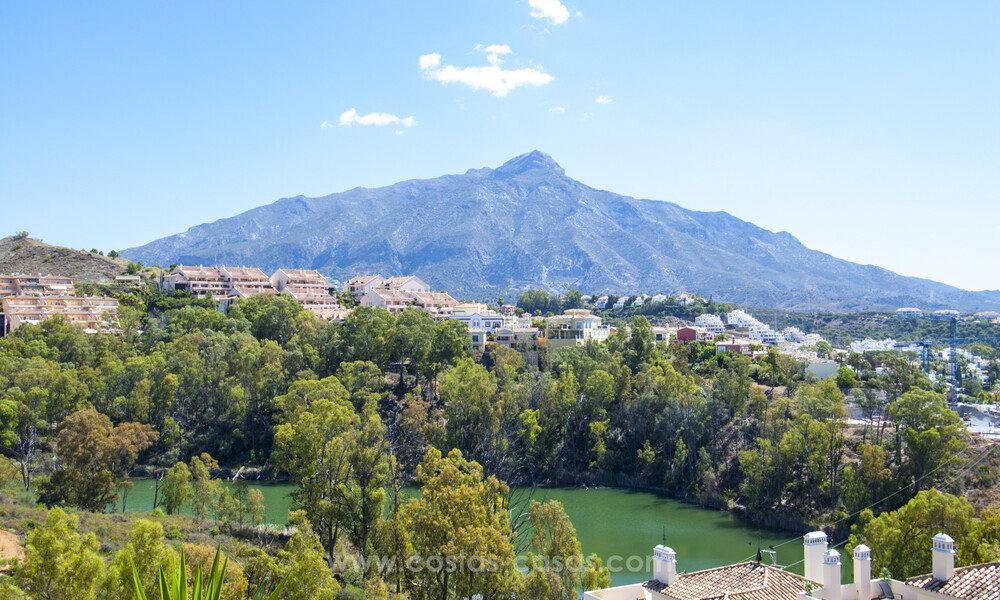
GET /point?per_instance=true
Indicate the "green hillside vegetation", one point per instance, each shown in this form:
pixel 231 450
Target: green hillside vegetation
pixel 351 412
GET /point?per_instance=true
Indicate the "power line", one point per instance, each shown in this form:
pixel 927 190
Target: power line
pixel 989 448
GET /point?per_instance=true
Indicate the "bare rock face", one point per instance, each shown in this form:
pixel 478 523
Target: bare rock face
pixel 525 224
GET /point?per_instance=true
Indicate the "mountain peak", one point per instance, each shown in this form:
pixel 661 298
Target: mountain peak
pixel 525 163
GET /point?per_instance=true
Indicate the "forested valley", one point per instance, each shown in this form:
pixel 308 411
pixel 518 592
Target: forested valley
pixel 353 412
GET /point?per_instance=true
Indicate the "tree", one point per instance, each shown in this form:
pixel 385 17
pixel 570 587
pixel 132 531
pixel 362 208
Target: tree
pixel 846 378
pixel 204 490
pixel 177 490
pixel 145 552
pixel 248 504
pixel 469 393
pixel 302 565
pixel 19 426
pixel 362 497
pixel 95 457
pixel 538 302
pixel 574 299
pixel 369 334
pixel 363 381
pixel 459 514
pixel 275 318
pixel 556 563
pixel 596 576
pixel 312 446
pixel 901 540
pixel 641 343
pixel 931 432
pixel 59 563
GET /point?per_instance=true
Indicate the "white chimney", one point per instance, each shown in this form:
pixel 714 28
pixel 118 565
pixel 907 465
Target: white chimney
pixel 831 575
pixel 944 557
pixel 863 572
pixel 815 546
pixel 664 565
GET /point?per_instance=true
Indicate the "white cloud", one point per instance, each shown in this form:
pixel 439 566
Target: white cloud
pixel 498 81
pixel 351 117
pixel 553 10
pixel 494 52
pixel 430 61
pixel 558 109
pixel 603 100
pixel 325 125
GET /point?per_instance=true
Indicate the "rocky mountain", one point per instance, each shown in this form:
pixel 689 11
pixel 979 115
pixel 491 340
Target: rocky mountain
pixel 525 224
pixel 21 254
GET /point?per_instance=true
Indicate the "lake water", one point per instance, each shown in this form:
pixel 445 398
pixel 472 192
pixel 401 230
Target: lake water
pixel 612 523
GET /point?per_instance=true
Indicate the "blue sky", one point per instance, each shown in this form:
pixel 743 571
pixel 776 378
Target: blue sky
pixel 869 130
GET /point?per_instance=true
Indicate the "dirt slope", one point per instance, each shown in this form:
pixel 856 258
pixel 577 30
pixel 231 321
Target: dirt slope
pixel 25 255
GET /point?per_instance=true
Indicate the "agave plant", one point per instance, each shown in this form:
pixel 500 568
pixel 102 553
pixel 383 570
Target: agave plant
pixel 204 588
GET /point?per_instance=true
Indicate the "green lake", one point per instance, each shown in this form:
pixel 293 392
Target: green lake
pixel 612 523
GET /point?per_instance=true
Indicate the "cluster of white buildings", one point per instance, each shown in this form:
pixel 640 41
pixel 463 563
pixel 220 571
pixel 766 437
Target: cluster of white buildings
pixel 601 302
pixel 30 299
pixel 395 294
pixel 755 580
pixel 309 288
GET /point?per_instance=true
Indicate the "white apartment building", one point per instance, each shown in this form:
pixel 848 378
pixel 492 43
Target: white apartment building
pixel 20 284
pixel 765 335
pixel 362 284
pixel 218 282
pixel 741 319
pixel 94 314
pixel 301 280
pixel 793 334
pixel 395 294
pixel 712 323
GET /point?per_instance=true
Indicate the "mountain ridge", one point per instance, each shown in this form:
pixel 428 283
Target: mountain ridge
pixel 491 232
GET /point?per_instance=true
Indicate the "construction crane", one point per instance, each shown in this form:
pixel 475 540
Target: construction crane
pixel 953 341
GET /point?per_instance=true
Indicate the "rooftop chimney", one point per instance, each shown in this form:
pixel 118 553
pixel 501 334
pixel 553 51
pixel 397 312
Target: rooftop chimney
pixel 831 575
pixel 815 546
pixel 664 565
pixel 863 572
pixel 944 557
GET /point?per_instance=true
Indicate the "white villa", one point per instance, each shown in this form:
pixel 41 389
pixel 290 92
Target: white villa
pixel 575 328
pixel 686 299
pixel 478 316
pixel 620 303
pixel 601 302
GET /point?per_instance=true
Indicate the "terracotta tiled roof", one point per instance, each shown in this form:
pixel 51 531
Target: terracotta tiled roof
pixel 742 581
pixel 979 582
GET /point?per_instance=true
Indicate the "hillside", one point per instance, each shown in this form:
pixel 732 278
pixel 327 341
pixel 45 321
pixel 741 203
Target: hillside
pixel 25 255
pixel 493 232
